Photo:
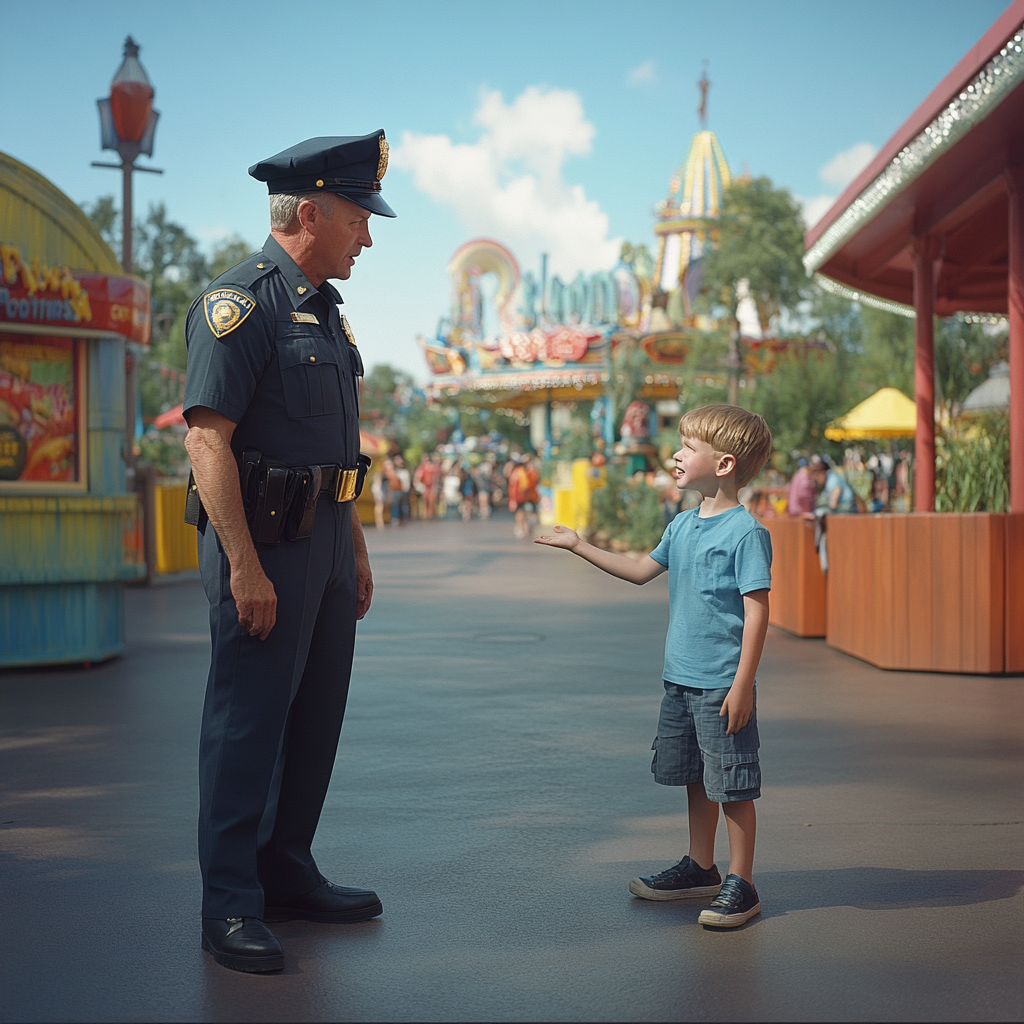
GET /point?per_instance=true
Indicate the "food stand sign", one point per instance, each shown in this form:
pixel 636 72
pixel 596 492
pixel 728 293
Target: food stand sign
pixel 34 294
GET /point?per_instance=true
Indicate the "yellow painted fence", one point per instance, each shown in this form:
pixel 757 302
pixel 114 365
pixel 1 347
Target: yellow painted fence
pixel 175 539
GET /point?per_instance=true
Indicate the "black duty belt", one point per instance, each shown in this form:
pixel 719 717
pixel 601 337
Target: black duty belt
pixel 280 501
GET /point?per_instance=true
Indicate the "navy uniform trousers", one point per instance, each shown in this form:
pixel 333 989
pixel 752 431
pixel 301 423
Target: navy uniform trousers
pixel 273 716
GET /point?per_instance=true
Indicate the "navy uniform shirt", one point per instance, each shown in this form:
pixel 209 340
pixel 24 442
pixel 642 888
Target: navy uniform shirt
pixel 268 351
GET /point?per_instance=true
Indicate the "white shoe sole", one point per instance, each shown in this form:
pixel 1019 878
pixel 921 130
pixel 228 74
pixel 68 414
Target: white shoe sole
pixel 713 919
pixel 645 892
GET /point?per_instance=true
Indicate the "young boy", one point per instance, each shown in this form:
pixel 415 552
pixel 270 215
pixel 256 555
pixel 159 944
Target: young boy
pixel 719 562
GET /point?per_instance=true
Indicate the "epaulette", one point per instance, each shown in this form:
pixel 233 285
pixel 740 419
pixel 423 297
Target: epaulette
pixel 246 273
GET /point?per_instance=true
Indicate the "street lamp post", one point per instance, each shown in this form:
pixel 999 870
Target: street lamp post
pixel 128 126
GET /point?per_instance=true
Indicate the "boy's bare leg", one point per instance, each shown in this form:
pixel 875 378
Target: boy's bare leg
pixel 741 821
pixel 703 819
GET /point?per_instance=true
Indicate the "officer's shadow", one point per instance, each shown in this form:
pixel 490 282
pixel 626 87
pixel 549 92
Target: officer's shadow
pixel 868 888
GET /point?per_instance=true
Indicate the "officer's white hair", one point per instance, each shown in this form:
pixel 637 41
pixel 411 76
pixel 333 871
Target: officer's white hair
pixel 284 207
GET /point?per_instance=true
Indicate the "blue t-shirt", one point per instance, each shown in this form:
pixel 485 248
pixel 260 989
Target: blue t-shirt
pixel 711 564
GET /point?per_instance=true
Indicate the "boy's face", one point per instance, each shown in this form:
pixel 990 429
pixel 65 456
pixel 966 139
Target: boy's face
pixel 698 467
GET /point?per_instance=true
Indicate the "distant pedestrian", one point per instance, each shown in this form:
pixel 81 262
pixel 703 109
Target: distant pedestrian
pixel 426 480
pixel 451 489
pixel 719 560
pixel 468 488
pixel 523 497
pixel 401 485
pixel 803 488
pixel 380 490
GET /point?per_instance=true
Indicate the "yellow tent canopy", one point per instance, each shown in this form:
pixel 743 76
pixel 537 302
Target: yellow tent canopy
pixel 887 413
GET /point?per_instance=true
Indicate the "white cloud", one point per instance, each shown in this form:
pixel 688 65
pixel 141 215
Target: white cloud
pixel 838 172
pixel 845 166
pixel 816 208
pixel 642 74
pixel 510 184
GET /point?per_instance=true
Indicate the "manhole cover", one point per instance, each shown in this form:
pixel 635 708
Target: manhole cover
pixel 508 638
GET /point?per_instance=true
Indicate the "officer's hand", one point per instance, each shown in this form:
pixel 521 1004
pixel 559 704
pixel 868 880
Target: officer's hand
pixel 254 598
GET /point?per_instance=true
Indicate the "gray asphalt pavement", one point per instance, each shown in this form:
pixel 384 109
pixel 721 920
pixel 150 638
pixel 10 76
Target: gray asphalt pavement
pixel 493 785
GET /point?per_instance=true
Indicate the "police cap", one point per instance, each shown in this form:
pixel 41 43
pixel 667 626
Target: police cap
pixel 348 165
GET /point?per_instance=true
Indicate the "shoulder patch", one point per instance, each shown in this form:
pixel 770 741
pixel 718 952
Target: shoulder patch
pixel 226 308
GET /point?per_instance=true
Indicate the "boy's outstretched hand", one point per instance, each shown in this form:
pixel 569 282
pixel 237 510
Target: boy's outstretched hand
pixel 564 538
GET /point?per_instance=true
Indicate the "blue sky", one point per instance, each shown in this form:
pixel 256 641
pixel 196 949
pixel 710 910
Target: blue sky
pixel 551 126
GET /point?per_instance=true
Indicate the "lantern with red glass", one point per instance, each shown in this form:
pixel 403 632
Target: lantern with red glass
pixel 127 118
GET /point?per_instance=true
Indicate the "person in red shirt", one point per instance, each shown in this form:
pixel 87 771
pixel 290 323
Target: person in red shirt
pixel 522 495
pixel 426 480
pixel 803 488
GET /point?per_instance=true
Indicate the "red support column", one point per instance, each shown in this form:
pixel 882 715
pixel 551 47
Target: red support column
pixel 924 375
pixel 1015 183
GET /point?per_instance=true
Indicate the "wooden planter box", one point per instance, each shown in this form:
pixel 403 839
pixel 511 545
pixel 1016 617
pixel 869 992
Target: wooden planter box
pixel 928 592
pixel 798 585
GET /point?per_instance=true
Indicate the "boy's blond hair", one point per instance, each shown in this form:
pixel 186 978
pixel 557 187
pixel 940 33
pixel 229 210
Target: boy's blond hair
pixel 731 431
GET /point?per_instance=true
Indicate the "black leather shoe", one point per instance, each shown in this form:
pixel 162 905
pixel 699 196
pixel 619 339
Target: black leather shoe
pixel 243 944
pixel 329 904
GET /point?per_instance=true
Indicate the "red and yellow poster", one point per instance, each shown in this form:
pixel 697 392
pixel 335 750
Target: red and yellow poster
pixel 40 420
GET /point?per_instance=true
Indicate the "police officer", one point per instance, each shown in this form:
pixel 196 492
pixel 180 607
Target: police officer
pixel 271 404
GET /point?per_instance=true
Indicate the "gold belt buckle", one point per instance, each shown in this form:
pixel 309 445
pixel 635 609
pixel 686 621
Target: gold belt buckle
pixel 345 485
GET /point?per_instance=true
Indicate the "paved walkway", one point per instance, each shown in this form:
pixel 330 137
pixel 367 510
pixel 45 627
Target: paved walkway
pixel 493 784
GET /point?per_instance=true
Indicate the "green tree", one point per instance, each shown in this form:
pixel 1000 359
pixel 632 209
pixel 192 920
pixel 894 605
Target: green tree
pixel 171 262
pixel 228 253
pixel 761 241
pixel 887 351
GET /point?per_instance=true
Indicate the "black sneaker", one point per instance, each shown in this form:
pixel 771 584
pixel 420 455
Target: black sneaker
pixel 684 881
pixel 736 903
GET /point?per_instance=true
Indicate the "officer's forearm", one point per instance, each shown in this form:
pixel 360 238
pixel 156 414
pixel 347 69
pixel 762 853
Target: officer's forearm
pixel 216 474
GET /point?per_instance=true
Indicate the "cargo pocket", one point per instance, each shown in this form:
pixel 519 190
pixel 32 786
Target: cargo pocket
pixel 741 772
pixel 654 761
pixel 309 377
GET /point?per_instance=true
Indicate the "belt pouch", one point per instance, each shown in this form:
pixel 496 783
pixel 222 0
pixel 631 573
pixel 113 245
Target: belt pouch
pixel 271 503
pixel 304 489
pixel 248 484
pixel 193 505
pixel 362 466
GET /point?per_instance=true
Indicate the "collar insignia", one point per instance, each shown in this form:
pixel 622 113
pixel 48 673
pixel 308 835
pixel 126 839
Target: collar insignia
pixel 348 330
pixel 226 309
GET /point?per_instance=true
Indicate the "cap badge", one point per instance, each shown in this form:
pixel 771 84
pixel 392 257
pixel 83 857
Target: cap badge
pixel 226 309
pixel 382 166
pixel 304 318
pixel 348 330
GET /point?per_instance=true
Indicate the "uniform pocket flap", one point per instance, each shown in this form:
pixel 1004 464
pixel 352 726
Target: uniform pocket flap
pixel 300 349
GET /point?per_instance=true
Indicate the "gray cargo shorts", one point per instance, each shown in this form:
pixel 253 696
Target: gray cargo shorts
pixel 692 746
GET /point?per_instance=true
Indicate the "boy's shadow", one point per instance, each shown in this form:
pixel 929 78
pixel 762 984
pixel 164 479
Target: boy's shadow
pixel 784 892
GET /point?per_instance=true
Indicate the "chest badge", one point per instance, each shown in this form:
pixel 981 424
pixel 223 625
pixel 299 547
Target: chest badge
pixel 225 309
pixel 304 318
pixel 348 330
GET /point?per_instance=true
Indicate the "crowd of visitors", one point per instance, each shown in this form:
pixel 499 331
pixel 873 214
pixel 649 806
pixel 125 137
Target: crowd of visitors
pixel 447 485
pixel 880 483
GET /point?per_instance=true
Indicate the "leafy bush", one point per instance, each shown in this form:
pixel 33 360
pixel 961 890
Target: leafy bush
pixel 165 449
pixel 628 512
pixel 972 472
